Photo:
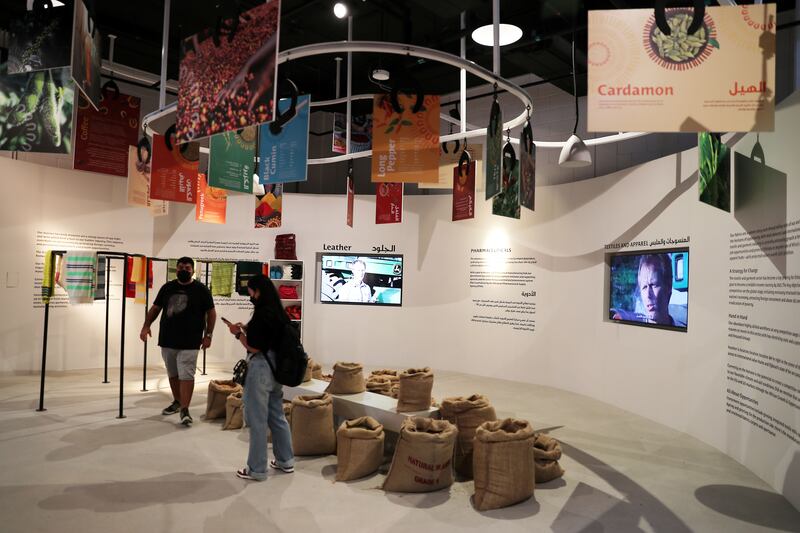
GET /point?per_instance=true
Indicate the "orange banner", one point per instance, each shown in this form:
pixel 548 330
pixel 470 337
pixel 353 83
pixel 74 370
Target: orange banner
pixel 212 202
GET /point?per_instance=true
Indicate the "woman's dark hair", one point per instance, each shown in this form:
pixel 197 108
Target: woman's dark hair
pixel 268 295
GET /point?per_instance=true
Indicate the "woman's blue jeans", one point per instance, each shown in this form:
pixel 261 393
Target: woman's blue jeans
pixel 263 407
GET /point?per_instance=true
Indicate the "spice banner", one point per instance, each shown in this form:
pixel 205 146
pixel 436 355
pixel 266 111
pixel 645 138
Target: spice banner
pixel 714 183
pixel 351 199
pixel 212 202
pixel 506 204
pixel 229 84
pixel 173 176
pixel 284 156
pixel 450 159
pixel 388 203
pixel 721 78
pixel 464 191
pixel 494 150
pixel 36 111
pixel 87 50
pixel 139 185
pixel 231 160
pixel 360 133
pixel 40 39
pixel 405 146
pixel 103 136
pixel 269 207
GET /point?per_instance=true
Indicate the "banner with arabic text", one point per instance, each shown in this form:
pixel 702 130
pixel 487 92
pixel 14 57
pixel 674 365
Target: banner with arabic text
pixel 388 203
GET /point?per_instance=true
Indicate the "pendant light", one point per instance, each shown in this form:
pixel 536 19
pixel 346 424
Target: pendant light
pixel 574 154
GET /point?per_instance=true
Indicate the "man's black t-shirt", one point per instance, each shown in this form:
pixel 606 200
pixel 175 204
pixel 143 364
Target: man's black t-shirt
pixel 183 312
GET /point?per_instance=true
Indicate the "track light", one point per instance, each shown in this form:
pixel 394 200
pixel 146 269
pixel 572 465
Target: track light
pixel 340 10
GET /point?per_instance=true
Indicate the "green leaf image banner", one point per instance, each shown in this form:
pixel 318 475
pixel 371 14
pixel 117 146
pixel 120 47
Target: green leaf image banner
pixel 507 203
pixel 231 160
pixel 494 153
pixel 714 171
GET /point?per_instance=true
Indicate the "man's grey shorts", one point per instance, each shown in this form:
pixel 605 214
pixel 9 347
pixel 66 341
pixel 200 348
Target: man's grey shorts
pixel 180 363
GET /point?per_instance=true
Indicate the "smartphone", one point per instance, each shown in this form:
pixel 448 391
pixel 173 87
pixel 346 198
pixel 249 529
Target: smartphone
pixel 228 322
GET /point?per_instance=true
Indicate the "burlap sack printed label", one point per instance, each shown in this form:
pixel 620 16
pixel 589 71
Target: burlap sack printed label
pixel 427 474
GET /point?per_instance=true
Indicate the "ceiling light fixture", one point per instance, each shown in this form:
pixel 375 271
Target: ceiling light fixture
pixel 574 154
pixel 508 34
pixel 340 10
pixel 380 74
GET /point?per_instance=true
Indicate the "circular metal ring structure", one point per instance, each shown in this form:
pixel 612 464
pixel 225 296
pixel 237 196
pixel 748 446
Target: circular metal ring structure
pixel 411 51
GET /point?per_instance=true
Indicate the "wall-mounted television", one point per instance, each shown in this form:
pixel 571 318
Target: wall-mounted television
pixel 363 279
pixel 650 288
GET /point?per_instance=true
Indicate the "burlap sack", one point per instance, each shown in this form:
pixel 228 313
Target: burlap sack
pixel 234 411
pixel 392 375
pixel 423 458
pixel 309 371
pixel 415 389
pixel 348 378
pixel 467 414
pixel 395 392
pixel 312 425
pixel 503 463
pixel 380 385
pixel 316 370
pixel 326 377
pixel 547 452
pixel 287 412
pixel 218 392
pixel 359 448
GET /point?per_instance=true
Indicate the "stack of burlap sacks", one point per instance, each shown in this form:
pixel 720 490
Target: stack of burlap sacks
pixel 225 400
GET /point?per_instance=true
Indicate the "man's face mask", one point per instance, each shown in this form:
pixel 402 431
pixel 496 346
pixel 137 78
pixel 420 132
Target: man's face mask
pixel 184 276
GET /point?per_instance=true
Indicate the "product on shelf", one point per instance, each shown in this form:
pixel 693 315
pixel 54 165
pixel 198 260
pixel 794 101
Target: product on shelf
pixel 423 458
pixel 467 414
pixel 234 411
pixel 415 389
pixel 503 463
pixel 288 292
pixel 547 452
pixel 294 311
pixel 348 378
pixel 359 448
pixel 286 246
pixel 312 425
pixel 276 272
pixel 218 392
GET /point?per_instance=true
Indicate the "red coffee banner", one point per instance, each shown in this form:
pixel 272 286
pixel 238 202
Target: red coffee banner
pixel 173 177
pixel 464 192
pixel 212 202
pixel 388 203
pixel 102 137
pixel 351 200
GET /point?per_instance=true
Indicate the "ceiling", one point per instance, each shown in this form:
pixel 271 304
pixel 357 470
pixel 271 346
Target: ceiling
pixel 544 50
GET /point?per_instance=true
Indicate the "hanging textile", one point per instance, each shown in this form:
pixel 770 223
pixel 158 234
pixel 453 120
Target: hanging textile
pixel 48 277
pixel 130 283
pixel 139 278
pixel 79 275
pixel 244 271
pixel 100 279
pixel 221 279
pixel 172 269
pixel 149 273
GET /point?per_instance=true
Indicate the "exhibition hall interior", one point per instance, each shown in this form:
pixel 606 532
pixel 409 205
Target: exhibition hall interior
pixel 374 265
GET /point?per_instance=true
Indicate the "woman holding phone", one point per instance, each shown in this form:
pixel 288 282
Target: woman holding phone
pixel 263 395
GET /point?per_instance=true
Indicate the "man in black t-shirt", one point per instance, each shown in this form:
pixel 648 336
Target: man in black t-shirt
pixel 186 326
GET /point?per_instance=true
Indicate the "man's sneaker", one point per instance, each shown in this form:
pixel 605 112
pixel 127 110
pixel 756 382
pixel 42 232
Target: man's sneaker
pixel 172 408
pixel 186 418
pixel 288 469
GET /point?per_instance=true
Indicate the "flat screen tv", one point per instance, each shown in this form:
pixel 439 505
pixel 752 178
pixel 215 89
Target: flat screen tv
pixel 650 288
pixel 363 279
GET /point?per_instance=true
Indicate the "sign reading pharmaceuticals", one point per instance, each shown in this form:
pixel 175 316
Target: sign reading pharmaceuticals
pixel 719 78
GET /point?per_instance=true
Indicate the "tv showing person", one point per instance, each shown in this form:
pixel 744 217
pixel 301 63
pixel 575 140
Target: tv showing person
pixel 361 279
pixel 354 289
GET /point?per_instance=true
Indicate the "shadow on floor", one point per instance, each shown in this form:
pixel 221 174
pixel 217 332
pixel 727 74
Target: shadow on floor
pixel 122 496
pixel 755 506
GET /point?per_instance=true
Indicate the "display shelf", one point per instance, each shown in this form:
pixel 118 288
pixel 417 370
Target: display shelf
pixel 294 282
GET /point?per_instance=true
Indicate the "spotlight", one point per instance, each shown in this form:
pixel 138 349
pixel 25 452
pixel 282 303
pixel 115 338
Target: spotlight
pixel 340 10
pixel 508 34
pixel 380 74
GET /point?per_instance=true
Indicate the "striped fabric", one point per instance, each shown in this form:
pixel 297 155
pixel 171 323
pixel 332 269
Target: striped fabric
pixel 48 277
pixel 172 269
pixel 100 284
pixel 221 279
pixel 79 275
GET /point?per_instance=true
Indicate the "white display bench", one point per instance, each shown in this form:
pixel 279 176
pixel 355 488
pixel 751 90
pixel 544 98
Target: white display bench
pixel 349 406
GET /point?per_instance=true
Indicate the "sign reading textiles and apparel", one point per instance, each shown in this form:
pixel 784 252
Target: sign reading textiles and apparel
pixel 284 155
pixel 173 177
pixel 212 202
pixel 388 203
pixel 720 78
pixel 231 160
pixel 405 146
pixel 104 136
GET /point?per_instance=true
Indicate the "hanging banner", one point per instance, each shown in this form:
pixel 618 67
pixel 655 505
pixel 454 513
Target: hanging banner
pixel 388 203
pixel 449 159
pixel 269 207
pixel 506 204
pixel 227 81
pixel 714 171
pixel 36 111
pixel 405 146
pixel 104 136
pixel 527 168
pixel 464 191
pixel 139 185
pixel 360 133
pixel 87 49
pixel 640 79
pixel 351 200
pixel 212 202
pixel 494 151
pixel 41 39
pixel 173 176
pixel 231 160
pixel 284 156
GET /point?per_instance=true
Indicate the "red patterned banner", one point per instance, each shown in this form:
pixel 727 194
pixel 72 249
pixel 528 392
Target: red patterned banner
pixel 388 203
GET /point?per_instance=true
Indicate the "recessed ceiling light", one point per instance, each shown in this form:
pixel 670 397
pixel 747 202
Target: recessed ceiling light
pixel 340 10
pixel 508 34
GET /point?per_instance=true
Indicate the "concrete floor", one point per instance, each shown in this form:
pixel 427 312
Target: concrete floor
pixel 76 467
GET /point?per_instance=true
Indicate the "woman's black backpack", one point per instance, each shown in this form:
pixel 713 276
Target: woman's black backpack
pixel 291 360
